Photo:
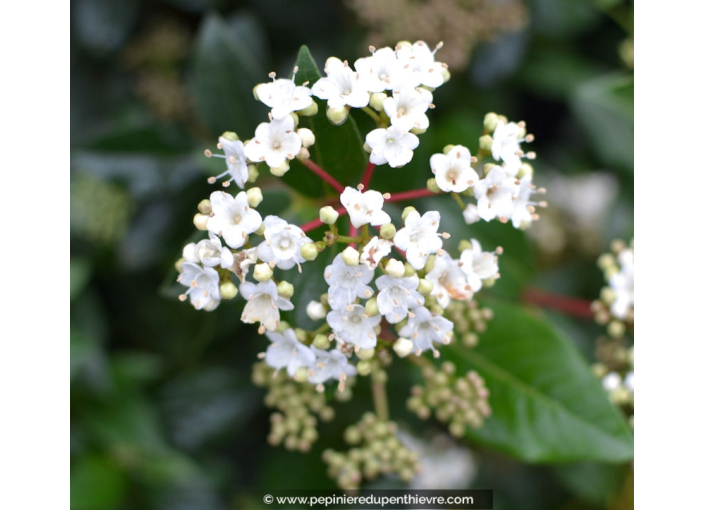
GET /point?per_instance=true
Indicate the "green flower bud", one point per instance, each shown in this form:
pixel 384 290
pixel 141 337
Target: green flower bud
pixel 429 264
pixel 337 115
pixel 228 290
pixel 418 131
pixel 366 354
pixel 487 168
pixel 253 173
pixel 425 287
pixel 364 368
pixel 328 215
pixel 432 185
pixel 321 342
pixel 366 147
pixel 447 149
pixel 285 289
pixel 408 270
pixel 295 119
pixel 179 265
pixel 262 272
pixel 254 91
pixel 388 231
pixel 353 435
pixel 283 326
pixel 525 169
pixel 301 375
pixel 260 230
pixel 204 206
pixel 395 268
pixel 301 335
pixel 404 44
pixel 280 170
pixel 406 211
pixel 608 295
pixel 376 101
pixel 445 74
pixel 436 309
pixel 309 251
pixel 470 339
pixel 371 308
pixel 254 197
pixel 201 221
pixel 309 111
pixel 616 329
pixel 491 120
pixel 350 256
pixel 303 154
pixel 464 245
pixel 230 136
pixel 489 282
pixel 307 137
pixel 485 143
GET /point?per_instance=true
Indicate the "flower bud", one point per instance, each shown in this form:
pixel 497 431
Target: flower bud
pixel 230 136
pixel 429 264
pixel 350 256
pixel 254 197
pixel 280 170
pixel 616 329
pixel 487 168
pixel 328 215
pixel 301 375
pixel 366 147
pixel 491 120
pixel 315 310
pixel 300 334
pixel 364 368
pixel 309 111
pixel 260 230
pixel 307 137
pixel 228 290
pixel 403 347
pixel 525 169
pixel 253 173
pixel 488 282
pixel 283 326
pixel 179 265
pixel 608 295
pixel 485 143
pixel 436 309
pixel 406 211
pixel 366 354
pixel 447 149
pixel 371 308
pixel 204 206
pixel 309 251
pixel 404 44
pixel 254 91
pixel 262 272
pixel 201 221
pixel 295 119
pixel 376 101
pixel 424 287
pixel 408 270
pixel 445 74
pixel 395 268
pixel 285 289
pixel 321 342
pixel 388 231
pixel 337 115
pixel 418 131
pixel 303 154
pixel 432 185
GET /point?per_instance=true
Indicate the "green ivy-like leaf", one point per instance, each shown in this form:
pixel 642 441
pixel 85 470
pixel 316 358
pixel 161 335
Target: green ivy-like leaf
pixel 547 406
pixel 337 149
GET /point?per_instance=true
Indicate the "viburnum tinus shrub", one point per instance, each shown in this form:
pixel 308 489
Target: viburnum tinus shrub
pixel 392 291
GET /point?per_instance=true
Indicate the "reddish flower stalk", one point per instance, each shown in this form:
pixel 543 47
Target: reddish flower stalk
pixel 307 227
pixel 324 175
pixel 367 177
pixel 569 305
pixel 407 195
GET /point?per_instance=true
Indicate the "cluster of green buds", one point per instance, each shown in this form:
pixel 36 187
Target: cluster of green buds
pixel 376 450
pixel 100 210
pixel 470 320
pixel 460 401
pixel 295 423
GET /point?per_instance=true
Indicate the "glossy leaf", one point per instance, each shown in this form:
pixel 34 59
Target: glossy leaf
pixel 547 405
pixel 337 149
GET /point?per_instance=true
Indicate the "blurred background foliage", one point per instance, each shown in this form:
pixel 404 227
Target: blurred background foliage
pixel 163 412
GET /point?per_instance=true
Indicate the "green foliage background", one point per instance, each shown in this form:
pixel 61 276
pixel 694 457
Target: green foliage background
pixel 163 414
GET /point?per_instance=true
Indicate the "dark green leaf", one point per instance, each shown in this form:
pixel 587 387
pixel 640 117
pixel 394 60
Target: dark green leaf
pixel 80 274
pixel 97 484
pixel 337 149
pixel 593 482
pixel 547 405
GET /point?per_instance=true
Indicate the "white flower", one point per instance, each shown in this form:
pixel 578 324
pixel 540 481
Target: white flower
pixel 364 208
pixel 203 286
pixel 244 259
pixel 622 285
pixel 478 265
pixel 396 296
pixel 232 217
pixel 375 250
pixel 471 214
pixel 342 86
pixel 315 310
pixel 495 194
pixel 393 145
pixel 284 97
pixel 263 305
pixel 406 109
pixel 419 237
pixel 282 244
pixel 236 162
pixel 274 142
pixel 506 142
pixel 330 365
pixel 353 326
pixel 209 252
pixel 424 329
pixel 628 382
pixel 449 280
pixel 453 172
pixel 419 61
pixel 347 283
pixel 611 382
pixel 286 351
pixel 523 207
pixel 379 72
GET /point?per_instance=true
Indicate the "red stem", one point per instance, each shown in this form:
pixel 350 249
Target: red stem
pixel 367 177
pixel 407 195
pixel 307 227
pixel 324 175
pixel 569 305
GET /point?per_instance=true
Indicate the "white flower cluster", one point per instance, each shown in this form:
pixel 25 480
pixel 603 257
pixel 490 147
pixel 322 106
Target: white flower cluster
pixel 396 83
pixel 622 285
